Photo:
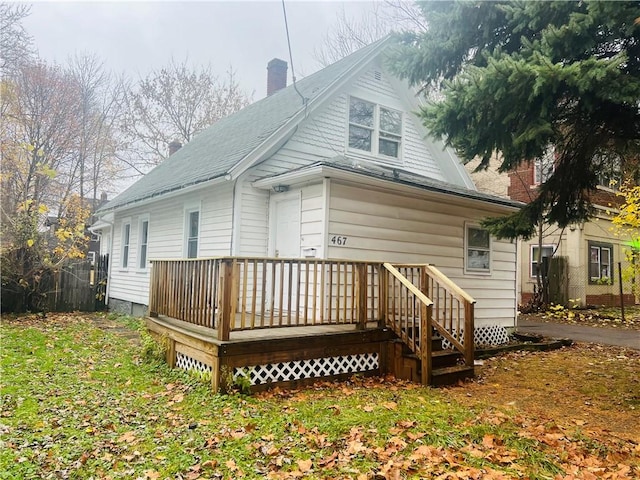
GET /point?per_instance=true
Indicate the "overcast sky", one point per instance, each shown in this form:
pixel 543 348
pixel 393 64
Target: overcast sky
pixel 137 37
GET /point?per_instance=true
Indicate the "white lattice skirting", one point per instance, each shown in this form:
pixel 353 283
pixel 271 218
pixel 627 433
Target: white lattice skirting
pixel 485 335
pixel 311 368
pixel 187 363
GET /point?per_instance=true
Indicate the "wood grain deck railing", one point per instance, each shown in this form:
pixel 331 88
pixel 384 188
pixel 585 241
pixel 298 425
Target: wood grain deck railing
pixel 244 293
pixel 232 293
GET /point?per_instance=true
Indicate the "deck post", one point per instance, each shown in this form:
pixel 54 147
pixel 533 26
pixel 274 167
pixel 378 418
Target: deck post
pixel 425 343
pixel 226 279
pixel 361 295
pixel 383 294
pixel 170 354
pixel 153 291
pixel 468 333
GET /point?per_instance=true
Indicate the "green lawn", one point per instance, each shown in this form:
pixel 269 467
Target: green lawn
pixel 82 402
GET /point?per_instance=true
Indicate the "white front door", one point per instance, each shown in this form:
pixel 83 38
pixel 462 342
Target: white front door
pixel 285 235
pixel 286 226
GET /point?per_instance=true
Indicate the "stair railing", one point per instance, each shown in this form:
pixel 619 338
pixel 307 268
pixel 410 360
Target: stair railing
pixel 449 310
pixel 408 314
pixel 453 311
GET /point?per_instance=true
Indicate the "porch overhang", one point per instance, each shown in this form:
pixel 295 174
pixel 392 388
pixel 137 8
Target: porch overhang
pixel 381 177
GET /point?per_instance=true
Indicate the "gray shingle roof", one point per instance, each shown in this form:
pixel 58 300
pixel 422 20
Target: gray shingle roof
pixel 216 150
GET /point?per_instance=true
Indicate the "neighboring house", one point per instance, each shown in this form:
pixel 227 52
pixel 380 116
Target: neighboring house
pixel 593 251
pixel 335 167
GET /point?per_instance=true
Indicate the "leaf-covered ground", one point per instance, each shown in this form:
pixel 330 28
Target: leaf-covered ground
pixel 80 401
pixel 610 317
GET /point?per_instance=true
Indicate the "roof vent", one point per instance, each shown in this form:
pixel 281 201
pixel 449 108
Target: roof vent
pixel 377 75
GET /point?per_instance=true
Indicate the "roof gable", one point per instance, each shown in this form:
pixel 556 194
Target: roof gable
pixel 217 150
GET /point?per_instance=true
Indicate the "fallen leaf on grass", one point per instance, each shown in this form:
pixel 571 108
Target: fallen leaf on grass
pixel 305 465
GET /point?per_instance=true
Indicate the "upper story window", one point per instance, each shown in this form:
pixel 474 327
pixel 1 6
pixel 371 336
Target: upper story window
pixel 610 172
pixel 478 250
pixel 544 166
pixel 374 129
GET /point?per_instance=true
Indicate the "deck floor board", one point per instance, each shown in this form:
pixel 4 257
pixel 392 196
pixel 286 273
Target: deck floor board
pixel 211 335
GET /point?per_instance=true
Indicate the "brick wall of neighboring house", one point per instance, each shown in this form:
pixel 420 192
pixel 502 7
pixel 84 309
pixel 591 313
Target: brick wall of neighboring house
pixel 522 183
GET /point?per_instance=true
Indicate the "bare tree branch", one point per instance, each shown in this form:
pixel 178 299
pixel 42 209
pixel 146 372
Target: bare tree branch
pixel 15 43
pixel 175 103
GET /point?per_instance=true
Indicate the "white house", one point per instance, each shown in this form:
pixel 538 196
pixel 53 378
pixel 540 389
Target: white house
pixel 337 167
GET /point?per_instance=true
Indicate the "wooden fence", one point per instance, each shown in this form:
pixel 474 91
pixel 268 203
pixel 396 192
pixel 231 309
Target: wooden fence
pixel 78 285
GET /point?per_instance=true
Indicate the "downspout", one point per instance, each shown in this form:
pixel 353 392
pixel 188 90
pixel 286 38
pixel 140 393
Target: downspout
pixel 233 216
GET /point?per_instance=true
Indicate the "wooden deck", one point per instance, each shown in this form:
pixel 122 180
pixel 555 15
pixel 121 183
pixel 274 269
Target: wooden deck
pixel 290 321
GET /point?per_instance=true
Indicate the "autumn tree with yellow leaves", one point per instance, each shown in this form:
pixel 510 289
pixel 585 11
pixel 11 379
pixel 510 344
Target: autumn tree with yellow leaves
pixel 626 223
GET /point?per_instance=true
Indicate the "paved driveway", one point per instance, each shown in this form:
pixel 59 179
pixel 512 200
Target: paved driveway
pixel 583 333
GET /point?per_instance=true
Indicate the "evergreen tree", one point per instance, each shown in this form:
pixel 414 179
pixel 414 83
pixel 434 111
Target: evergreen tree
pixel 516 77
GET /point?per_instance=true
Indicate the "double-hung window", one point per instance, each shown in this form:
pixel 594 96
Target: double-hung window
pixel 143 238
pixel 126 238
pixel 478 250
pixel 600 261
pixel 546 252
pixel 192 232
pixel 374 128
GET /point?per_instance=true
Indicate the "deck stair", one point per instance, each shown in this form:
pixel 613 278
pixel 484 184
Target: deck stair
pixel 411 310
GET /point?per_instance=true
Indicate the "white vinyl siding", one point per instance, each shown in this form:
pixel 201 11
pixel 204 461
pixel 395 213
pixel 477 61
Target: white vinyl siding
pixel 388 226
pixel 167 236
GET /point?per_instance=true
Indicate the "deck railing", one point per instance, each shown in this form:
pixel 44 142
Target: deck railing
pixel 232 293
pixel 244 293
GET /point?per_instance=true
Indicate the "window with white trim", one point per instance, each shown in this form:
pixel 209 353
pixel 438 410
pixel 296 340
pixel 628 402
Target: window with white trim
pixel 143 242
pixel 374 128
pixel 124 251
pixel 546 252
pixel 192 231
pixel 600 263
pixel 477 249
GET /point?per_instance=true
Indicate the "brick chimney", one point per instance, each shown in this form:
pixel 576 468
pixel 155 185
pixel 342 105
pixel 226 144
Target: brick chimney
pixel 174 147
pixel 276 75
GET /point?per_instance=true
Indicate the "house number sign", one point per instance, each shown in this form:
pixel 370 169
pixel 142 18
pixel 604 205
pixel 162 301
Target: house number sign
pixel 338 240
